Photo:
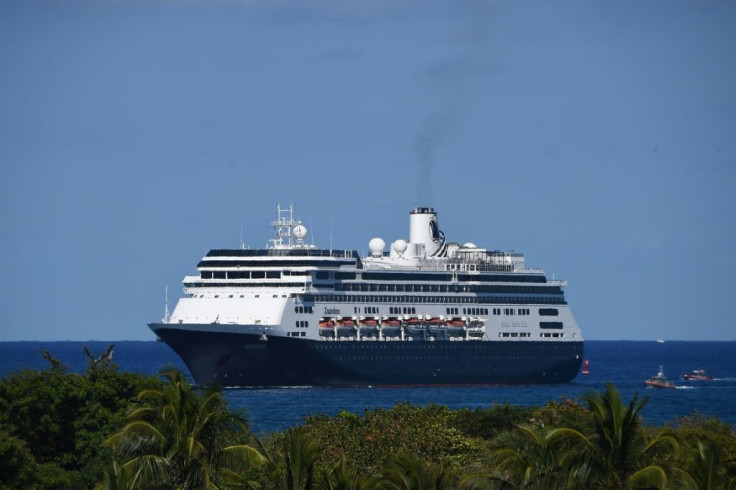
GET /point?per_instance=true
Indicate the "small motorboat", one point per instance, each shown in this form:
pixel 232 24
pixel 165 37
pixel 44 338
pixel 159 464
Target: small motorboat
pixel 697 375
pixel 659 380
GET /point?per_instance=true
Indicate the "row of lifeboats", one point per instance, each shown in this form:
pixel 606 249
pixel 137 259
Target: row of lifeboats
pixel 422 321
pixel 402 328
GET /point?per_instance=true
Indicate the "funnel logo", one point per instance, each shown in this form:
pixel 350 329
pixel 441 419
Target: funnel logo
pixel 434 232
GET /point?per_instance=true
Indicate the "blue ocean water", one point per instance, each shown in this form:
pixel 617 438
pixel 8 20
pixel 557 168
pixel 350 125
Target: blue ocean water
pixel 625 363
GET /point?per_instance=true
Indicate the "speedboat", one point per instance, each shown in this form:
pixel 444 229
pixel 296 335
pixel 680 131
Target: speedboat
pixel 697 375
pixel 659 380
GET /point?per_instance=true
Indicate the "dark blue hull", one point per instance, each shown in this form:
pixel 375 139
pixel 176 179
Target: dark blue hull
pixel 232 360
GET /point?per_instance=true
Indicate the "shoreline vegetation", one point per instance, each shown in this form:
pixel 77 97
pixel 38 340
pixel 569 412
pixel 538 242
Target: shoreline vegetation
pixel 108 429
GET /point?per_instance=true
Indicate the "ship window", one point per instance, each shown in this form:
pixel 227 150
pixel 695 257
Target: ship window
pixel 218 274
pixel 550 324
pixel 273 274
pixel 323 275
pixel 548 311
pixel 258 274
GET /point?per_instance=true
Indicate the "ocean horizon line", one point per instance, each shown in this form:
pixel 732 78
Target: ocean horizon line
pixel 585 340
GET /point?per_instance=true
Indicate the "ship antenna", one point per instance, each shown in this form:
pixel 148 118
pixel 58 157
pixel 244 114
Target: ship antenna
pixel 166 305
pixel 242 243
pixel 331 222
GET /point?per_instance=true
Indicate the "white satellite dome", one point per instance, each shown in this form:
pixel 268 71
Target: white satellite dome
pixel 300 231
pixel 400 246
pixel 470 245
pixel 376 246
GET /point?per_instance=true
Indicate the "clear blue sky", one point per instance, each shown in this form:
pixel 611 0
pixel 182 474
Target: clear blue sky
pixel 597 137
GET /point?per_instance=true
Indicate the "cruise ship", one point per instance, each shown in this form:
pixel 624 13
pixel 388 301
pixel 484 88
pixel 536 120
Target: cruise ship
pixel 425 311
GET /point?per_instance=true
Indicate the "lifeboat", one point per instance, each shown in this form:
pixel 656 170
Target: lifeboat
pixel 326 323
pixel 367 326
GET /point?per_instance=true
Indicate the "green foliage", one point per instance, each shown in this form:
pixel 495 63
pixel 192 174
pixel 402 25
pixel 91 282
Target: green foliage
pixel 712 446
pixel 62 418
pixel 17 466
pixel 370 440
pixel 300 455
pixel 181 438
pixel 167 435
pixel 538 457
pixel 488 423
pixel 411 472
pixel 344 477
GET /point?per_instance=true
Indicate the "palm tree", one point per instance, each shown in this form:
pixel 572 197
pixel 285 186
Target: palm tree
pixel 117 477
pixel 616 456
pixel 621 456
pixel 706 470
pixel 532 458
pixel 183 439
pixel 300 456
pixel 341 477
pixel 405 472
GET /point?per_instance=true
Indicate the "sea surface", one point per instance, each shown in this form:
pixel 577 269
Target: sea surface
pixel 625 363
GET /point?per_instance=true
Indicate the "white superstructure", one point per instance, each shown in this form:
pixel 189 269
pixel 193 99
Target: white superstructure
pixel 422 288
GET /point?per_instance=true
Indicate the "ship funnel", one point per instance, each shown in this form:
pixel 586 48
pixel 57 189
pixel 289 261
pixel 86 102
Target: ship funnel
pixel 423 230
